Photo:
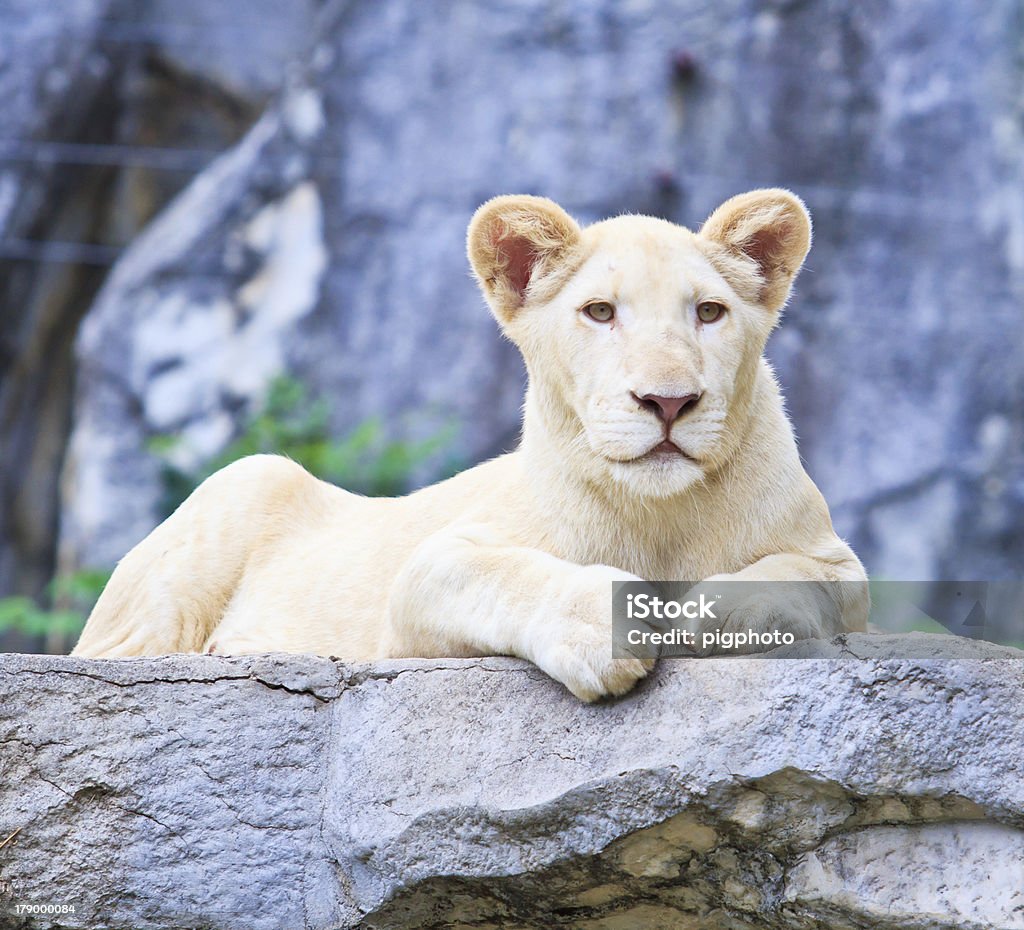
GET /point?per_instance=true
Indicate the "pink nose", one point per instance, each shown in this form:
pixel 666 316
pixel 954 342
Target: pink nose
pixel 668 409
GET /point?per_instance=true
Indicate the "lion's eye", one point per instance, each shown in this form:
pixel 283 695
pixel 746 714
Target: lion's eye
pixel 710 312
pixel 600 311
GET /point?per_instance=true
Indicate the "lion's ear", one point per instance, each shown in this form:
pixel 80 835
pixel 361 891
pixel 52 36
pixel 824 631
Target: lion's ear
pixel 771 231
pixel 514 245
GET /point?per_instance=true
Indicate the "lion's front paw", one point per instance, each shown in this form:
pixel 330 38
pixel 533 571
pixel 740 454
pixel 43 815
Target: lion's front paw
pixel 574 644
pixel 590 672
pixel 751 617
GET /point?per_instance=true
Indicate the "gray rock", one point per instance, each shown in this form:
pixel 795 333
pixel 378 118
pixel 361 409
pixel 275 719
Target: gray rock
pixel 860 787
pixel 243 48
pixel 898 123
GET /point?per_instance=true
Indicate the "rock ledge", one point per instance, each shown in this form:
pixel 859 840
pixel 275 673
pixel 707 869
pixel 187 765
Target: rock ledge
pixel 855 788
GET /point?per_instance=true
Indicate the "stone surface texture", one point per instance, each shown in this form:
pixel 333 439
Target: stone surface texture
pixel 865 785
pixel 329 243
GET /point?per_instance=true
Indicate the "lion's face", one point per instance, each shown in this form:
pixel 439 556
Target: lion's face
pixel 640 337
pixel 649 345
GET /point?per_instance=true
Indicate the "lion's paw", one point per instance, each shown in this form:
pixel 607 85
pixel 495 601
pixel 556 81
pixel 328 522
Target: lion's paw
pixel 592 673
pixel 575 645
pixel 752 618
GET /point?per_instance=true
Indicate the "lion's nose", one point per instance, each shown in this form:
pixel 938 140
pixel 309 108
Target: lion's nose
pixel 668 409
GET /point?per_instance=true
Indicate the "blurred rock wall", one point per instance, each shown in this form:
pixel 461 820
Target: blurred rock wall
pixel 52 79
pixel 328 242
pixel 110 109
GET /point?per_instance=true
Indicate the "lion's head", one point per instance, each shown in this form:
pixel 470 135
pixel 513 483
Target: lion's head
pixel 642 339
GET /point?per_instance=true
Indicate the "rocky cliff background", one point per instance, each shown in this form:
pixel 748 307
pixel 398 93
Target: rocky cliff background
pixel 198 198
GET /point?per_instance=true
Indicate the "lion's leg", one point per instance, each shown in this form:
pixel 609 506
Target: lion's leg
pixel 464 592
pixel 171 590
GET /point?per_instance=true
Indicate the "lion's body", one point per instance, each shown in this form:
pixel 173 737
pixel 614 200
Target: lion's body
pixel 516 555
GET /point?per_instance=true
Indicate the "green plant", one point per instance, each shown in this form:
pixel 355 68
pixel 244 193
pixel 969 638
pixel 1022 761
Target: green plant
pixel 293 423
pixel 72 597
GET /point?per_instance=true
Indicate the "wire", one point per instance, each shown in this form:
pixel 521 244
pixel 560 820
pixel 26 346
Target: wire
pixel 63 253
pixel 210 35
pixel 20 151
pixel 185 160
pixel 923 205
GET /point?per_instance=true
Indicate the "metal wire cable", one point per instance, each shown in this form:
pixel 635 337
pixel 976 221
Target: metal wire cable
pixel 47 251
pixel 209 35
pixel 161 158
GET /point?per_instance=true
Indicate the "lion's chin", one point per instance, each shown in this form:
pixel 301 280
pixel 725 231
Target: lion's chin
pixel 658 474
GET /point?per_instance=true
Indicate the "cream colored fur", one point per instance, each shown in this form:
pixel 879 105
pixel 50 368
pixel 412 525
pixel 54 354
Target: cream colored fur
pixel 516 556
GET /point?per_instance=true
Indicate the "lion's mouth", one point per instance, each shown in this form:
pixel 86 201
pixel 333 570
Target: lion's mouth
pixel 663 451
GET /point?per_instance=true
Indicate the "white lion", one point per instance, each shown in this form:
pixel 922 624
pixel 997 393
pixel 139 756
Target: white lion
pixel 654 446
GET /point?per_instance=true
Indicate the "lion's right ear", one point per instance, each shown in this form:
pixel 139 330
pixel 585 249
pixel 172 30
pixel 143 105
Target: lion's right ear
pixel 515 243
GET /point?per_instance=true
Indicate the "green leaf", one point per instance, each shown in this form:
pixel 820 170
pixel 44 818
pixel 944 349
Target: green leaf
pixel 293 423
pixel 13 611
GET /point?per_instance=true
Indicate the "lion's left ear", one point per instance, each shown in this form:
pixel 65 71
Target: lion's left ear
pixel 771 230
